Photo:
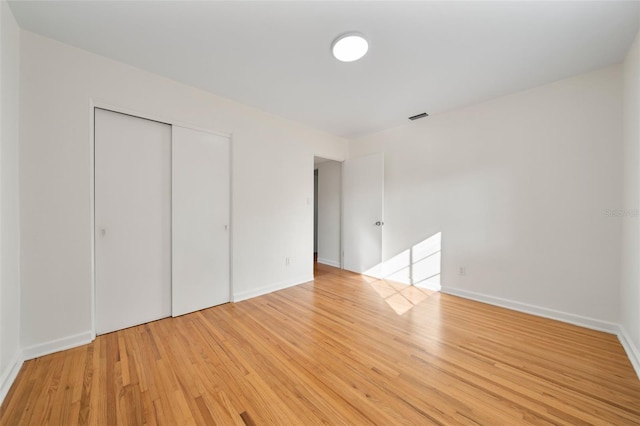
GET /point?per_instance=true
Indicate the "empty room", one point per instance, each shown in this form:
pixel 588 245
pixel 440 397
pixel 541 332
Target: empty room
pixel 319 212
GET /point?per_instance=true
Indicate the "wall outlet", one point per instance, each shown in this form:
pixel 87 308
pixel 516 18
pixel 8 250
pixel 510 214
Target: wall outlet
pixel 462 270
pixel 287 261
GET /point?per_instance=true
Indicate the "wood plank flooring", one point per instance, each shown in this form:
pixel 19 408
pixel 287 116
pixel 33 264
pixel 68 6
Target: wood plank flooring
pixel 343 349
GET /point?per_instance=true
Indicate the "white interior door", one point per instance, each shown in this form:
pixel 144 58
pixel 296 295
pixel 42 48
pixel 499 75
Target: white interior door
pixel 363 189
pixel 132 220
pixel 200 217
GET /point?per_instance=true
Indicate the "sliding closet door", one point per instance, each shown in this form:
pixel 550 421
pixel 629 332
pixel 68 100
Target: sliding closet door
pixel 200 220
pixel 132 220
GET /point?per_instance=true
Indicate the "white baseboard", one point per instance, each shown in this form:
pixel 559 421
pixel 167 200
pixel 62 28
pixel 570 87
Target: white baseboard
pixel 57 345
pixel 9 375
pixel 329 262
pixel 433 287
pixel 630 348
pixel 244 295
pixel 578 320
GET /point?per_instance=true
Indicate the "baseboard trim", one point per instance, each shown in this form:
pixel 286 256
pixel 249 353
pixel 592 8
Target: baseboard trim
pixel 632 351
pixel 591 323
pixel 434 287
pixel 57 345
pixel 244 295
pixel 9 375
pixel 329 262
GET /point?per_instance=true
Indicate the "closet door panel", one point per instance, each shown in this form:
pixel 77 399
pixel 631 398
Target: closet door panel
pixel 200 220
pixel 132 220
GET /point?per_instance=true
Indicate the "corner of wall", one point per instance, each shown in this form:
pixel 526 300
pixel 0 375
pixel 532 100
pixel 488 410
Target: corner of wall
pixel 630 348
pixel 630 270
pixel 57 345
pixel 11 353
pixel 9 375
pixel 619 330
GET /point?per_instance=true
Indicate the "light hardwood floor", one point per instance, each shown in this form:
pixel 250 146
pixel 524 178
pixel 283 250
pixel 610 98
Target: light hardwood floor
pixel 343 349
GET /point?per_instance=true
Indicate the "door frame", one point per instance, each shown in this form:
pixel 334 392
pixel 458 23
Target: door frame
pixel 313 168
pixel 98 103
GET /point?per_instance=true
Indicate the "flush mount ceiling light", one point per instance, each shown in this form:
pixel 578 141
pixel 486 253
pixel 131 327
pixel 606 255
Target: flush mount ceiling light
pixel 349 47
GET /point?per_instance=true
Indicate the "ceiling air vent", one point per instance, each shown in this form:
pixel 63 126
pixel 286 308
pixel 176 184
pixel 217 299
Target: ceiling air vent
pixel 415 117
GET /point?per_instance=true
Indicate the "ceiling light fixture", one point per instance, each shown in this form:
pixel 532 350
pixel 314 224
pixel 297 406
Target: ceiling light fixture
pixel 349 47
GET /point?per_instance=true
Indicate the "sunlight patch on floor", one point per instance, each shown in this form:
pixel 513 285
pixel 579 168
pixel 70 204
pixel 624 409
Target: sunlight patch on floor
pixel 400 297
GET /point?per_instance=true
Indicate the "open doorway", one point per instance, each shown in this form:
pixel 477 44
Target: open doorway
pixel 327 215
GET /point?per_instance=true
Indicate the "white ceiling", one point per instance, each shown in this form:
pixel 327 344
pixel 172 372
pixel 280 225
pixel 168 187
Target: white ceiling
pixel 423 56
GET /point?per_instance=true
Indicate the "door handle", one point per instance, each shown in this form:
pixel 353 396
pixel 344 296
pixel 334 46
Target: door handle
pixel 379 223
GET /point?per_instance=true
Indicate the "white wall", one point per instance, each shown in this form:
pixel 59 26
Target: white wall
pixel 518 186
pixel 630 290
pixel 272 187
pixel 9 213
pixel 329 212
